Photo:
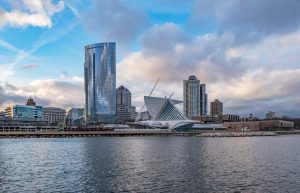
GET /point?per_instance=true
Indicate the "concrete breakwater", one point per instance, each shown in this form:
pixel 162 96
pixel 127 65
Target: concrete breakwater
pixel 67 134
pixel 236 134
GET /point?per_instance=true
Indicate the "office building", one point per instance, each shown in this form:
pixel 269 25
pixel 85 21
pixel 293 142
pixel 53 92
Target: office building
pixel 195 97
pixel 100 82
pixel 24 111
pixel 75 116
pixel 270 115
pixel 28 111
pixel 125 111
pixel 54 115
pixel 216 108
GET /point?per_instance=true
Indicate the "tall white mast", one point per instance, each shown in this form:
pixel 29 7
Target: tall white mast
pixel 138 116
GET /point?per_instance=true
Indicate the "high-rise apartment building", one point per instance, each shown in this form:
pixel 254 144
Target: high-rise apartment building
pixel 216 108
pixel 194 97
pixel 125 111
pixel 100 82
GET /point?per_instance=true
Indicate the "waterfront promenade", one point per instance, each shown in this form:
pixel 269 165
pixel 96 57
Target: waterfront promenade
pixel 126 133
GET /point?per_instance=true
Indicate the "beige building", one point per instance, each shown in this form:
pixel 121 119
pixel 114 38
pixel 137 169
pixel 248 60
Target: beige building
pixel 216 108
pixel 269 125
pixel 54 115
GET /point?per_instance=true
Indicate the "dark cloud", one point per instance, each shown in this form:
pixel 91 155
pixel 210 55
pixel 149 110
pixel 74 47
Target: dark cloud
pixel 161 39
pixel 29 66
pixel 177 55
pixel 10 98
pixel 249 19
pixel 112 20
pixel 284 105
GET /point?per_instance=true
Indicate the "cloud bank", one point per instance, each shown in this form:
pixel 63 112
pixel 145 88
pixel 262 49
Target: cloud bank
pixel 25 13
pixel 64 92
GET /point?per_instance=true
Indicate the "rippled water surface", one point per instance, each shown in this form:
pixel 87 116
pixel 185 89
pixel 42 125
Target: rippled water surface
pixel 151 164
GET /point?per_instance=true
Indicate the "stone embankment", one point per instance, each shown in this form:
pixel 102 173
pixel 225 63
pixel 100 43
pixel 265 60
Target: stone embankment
pixel 137 133
pixel 236 134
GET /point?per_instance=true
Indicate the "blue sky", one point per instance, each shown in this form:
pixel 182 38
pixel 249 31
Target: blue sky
pixel 246 52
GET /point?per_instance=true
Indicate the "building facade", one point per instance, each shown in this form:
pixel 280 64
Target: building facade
pixel 2 114
pixel 230 118
pixel 269 125
pixel 54 115
pixel 270 115
pixel 194 97
pixel 216 108
pixel 100 82
pixel 75 116
pixel 30 102
pixel 125 111
pixel 24 111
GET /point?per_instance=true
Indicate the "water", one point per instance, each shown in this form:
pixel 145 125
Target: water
pixel 151 164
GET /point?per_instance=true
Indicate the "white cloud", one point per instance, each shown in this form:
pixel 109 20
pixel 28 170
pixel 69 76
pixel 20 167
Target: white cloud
pixel 29 66
pixel 30 13
pixel 62 93
pixel 254 77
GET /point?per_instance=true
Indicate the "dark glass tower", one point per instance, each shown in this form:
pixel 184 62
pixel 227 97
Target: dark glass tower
pixel 100 82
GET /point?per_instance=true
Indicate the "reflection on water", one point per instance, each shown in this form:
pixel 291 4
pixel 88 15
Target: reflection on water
pixel 150 164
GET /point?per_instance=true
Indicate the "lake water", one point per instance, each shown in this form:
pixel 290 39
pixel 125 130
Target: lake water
pixel 151 164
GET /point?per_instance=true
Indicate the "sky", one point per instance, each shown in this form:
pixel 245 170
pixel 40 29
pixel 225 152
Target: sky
pixel 246 52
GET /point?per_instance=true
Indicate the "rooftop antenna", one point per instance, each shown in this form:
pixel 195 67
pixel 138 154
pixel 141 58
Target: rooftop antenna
pixel 138 116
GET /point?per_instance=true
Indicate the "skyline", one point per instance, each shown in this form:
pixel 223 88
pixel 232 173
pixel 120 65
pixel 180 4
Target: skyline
pixel 250 63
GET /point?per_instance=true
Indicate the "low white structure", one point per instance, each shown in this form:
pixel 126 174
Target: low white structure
pixel 164 115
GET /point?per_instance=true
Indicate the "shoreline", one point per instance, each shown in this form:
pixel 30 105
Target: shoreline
pixel 70 134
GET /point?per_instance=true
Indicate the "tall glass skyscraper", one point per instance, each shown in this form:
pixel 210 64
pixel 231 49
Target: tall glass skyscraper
pixel 100 82
pixel 194 97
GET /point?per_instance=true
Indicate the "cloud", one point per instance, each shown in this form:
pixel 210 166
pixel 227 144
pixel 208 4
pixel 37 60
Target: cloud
pixel 254 77
pixel 25 13
pixel 271 82
pixel 171 55
pixel 261 91
pixel 249 19
pixel 112 20
pixel 29 66
pixel 6 71
pixel 47 37
pixel 61 93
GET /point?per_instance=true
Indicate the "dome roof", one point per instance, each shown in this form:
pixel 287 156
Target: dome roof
pixel 192 77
